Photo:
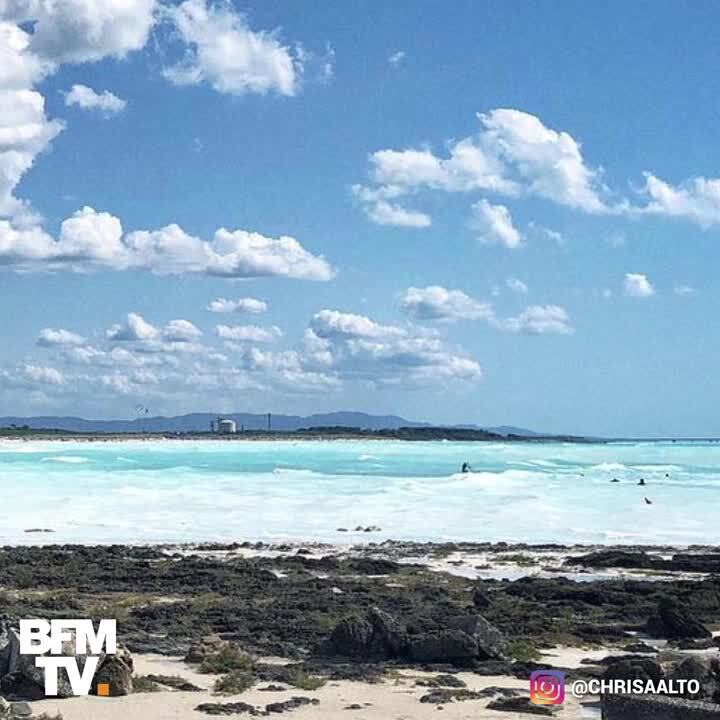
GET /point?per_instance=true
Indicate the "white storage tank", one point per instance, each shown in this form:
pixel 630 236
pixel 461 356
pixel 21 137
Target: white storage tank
pixel 227 427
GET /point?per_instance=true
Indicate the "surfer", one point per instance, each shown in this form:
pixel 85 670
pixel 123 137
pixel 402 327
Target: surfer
pixel 642 481
pixel 465 467
pixel 648 502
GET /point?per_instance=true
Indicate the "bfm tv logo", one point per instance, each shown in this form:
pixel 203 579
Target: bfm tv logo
pixel 45 639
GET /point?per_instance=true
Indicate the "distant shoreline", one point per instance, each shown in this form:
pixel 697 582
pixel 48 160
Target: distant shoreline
pixel 309 435
pixel 331 435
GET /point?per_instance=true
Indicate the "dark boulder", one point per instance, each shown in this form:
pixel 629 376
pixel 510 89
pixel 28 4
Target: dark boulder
pixel 481 599
pixel 706 671
pixel 636 669
pixel 675 622
pixel 520 705
pixel 375 635
pixel 116 674
pixel 492 644
pixel 443 646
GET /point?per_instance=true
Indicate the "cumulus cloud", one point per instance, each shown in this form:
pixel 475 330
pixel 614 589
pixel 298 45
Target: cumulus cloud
pixel 25 132
pixel 52 33
pixel 251 333
pixel 517 286
pixel 177 335
pixel 135 328
pixel 87 99
pixel 359 348
pixel 537 320
pixel 438 303
pixel 59 338
pixel 637 285
pixel 512 154
pixel 92 240
pixel 336 324
pixel 161 361
pixel 225 53
pixel 494 225
pixel 181 331
pixel 697 199
pixel 249 305
pixel 397 57
pixel 77 31
pixel 43 375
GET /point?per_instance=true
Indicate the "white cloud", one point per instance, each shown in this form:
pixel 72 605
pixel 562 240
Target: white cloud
pixel 379 208
pixel 359 348
pixel 494 225
pixel 385 213
pixel 76 31
pixel 181 331
pixel 43 375
pixel 176 336
pixel 135 328
pixel 53 32
pixel 684 290
pixel 95 240
pixel 25 132
pixel 637 285
pixel 248 333
pixel 697 199
pixel 537 320
pixel 87 99
pixel 548 163
pixel 249 305
pixel 517 286
pixel 513 153
pixel 336 324
pixel 397 57
pixel 225 53
pixel 59 338
pixel 230 254
pixel 438 303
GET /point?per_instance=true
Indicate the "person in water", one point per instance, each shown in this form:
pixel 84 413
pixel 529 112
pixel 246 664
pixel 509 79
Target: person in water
pixel 465 467
pixel 642 481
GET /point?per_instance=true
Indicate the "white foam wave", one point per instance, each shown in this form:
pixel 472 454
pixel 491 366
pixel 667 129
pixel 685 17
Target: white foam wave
pixel 69 459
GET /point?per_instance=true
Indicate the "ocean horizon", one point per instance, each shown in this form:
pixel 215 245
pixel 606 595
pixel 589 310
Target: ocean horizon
pixel 165 491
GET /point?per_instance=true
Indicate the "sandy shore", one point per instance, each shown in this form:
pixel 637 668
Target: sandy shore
pixel 394 699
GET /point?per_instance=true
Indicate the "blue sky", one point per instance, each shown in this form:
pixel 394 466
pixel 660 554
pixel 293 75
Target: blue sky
pixel 461 212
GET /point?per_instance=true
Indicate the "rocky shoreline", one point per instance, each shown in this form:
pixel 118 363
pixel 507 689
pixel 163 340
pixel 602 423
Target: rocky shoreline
pixel 365 614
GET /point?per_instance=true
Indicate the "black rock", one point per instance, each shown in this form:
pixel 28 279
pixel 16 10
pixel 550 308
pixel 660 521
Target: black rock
pixel 375 635
pixel 443 646
pixel 675 622
pixel 706 671
pixel 442 681
pixel 519 705
pixel 445 695
pixel 481 600
pixel 644 669
pixel 492 644
pixel 292 704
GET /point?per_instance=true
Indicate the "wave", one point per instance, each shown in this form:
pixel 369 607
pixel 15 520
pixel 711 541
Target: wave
pixel 69 459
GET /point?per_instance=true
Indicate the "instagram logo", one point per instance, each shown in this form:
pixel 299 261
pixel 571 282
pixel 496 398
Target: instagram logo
pixel 547 687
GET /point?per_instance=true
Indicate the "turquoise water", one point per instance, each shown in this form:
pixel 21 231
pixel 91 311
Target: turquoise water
pixel 186 491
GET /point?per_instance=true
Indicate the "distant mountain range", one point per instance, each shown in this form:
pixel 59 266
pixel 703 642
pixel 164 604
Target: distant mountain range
pixel 200 422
